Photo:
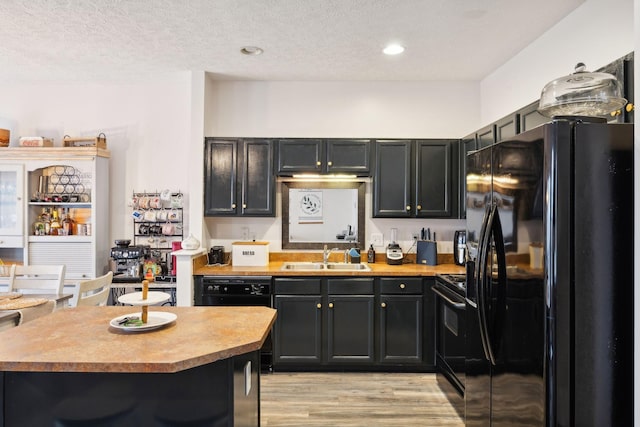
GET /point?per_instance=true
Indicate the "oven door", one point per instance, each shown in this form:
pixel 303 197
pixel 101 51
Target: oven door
pixel 450 335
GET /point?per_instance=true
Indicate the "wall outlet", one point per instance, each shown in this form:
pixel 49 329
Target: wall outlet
pixel 376 239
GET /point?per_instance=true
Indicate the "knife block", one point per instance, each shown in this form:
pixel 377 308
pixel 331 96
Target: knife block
pixel 427 252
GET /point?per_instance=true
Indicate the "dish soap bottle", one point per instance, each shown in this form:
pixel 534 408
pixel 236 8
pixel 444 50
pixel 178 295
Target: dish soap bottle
pixel 371 255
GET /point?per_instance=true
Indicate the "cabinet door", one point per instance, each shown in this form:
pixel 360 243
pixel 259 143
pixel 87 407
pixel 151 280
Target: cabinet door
pixel 348 156
pixel 220 166
pixel 507 127
pixel 530 118
pixel 467 145
pixel 258 181
pixel 300 155
pixel 486 136
pixel 11 202
pixel 297 333
pixel 434 179
pixel 401 337
pixel 350 329
pixel 392 179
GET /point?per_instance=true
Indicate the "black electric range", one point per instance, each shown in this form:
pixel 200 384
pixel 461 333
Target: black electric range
pixel 449 290
pixel 455 282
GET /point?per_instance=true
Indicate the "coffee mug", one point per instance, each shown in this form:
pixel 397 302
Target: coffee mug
pixel 168 229
pixel 150 216
pixel 162 215
pixel 154 202
pixel 176 201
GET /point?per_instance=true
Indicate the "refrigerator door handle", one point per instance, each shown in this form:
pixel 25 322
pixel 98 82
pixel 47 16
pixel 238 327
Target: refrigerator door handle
pixel 492 334
pixel 483 248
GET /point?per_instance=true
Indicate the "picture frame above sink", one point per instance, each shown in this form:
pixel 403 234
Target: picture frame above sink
pixel 315 214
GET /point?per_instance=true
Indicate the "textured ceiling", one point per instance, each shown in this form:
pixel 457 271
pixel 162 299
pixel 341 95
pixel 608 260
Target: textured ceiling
pixel 302 39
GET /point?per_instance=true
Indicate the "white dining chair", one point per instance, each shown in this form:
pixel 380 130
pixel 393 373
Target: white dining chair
pixel 37 279
pixel 92 292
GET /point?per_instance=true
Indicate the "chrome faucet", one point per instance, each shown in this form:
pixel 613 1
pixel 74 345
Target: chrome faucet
pixel 326 253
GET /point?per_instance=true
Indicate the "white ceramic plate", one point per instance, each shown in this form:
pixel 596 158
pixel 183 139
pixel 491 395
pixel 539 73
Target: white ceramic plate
pixel 155 320
pixel 135 298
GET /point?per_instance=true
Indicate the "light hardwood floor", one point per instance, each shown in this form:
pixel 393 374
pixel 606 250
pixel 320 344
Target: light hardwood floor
pixel 357 400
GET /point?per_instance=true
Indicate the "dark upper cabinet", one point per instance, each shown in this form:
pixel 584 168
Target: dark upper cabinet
pixel 435 179
pixel 507 127
pixel 299 155
pixel 486 136
pixel 467 144
pixel 622 69
pixel 415 179
pixel 392 178
pixel 349 156
pixel 530 117
pixel 239 179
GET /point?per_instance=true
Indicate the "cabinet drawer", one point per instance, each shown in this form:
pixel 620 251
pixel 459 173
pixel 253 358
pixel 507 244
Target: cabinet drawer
pixel 297 286
pixel 11 242
pixel 350 286
pixel 401 285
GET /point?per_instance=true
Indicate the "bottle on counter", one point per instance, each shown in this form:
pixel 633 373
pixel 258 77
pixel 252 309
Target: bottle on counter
pixel 371 255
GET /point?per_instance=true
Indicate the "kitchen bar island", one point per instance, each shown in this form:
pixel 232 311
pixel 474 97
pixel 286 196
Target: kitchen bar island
pixel 73 368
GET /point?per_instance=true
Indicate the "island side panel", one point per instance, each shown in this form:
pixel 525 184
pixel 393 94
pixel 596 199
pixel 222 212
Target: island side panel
pixel 205 393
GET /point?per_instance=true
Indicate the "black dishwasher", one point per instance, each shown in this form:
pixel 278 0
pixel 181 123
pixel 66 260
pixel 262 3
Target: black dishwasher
pixel 238 291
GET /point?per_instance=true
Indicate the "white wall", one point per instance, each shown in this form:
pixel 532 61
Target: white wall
pixel 596 33
pixel 147 124
pixel 333 110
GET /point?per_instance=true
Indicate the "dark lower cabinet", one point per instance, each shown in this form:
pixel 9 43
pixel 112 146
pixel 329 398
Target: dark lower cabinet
pixel 401 334
pixel 352 323
pixel 297 333
pixel 401 320
pixel 350 329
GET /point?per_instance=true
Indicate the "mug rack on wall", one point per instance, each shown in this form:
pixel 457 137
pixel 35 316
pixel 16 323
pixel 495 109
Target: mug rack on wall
pixel 157 221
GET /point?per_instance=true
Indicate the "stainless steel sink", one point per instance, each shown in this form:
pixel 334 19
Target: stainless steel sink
pixel 315 266
pixel 302 266
pixel 348 267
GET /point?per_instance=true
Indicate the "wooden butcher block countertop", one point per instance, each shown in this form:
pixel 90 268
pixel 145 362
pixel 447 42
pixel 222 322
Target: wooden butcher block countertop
pixel 275 269
pixel 80 339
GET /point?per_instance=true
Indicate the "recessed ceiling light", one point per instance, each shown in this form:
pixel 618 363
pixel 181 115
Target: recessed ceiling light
pixel 251 50
pixel 393 49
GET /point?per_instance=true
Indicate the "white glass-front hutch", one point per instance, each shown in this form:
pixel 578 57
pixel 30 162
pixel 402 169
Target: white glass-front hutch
pixel 72 182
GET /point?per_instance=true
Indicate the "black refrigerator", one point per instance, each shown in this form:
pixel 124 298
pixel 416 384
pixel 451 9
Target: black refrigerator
pixel 549 300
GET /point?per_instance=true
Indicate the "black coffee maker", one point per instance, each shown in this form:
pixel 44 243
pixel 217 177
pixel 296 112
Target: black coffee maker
pixel 216 255
pixel 459 247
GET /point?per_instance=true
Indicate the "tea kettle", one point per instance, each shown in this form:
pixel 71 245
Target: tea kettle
pixel 459 247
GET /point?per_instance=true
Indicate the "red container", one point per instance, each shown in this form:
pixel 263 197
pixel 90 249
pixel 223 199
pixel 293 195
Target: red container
pixel 175 246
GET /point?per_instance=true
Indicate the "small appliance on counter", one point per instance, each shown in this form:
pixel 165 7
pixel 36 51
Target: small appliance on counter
pixel 459 247
pixel 216 255
pixel 394 252
pixel 127 261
